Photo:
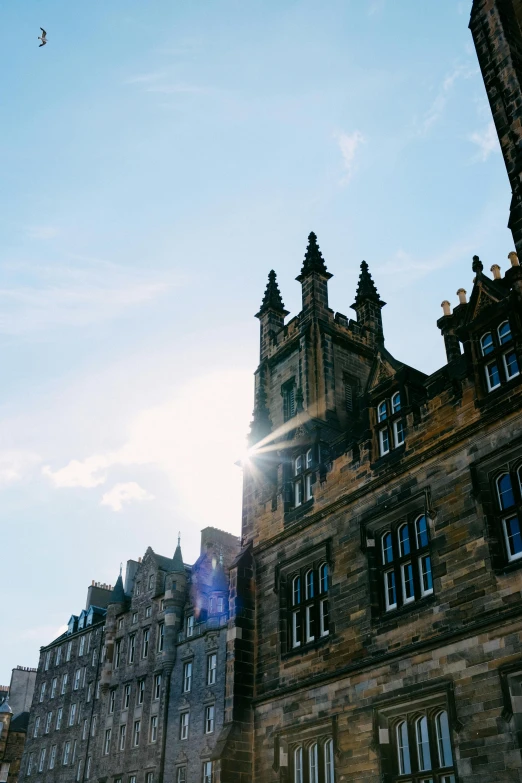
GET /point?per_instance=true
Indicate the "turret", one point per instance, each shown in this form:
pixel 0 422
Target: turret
pixel 116 607
pixel 175 595
pixel 368 306
pixel 6 713
pixel 314 279
pixel 271 314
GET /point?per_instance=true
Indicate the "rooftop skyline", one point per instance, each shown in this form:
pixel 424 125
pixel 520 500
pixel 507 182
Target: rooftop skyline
pixel 158 161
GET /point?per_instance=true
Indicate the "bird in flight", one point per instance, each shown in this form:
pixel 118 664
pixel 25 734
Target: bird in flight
pixel 42 37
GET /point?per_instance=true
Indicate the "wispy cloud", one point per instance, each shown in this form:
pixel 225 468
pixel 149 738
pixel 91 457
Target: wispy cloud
pixel 16 465
pixel 78 294
pixel 131 492
pixel 349 143
pixel 43 232
pixel 39 633
pixel 436 110
pixel 486 141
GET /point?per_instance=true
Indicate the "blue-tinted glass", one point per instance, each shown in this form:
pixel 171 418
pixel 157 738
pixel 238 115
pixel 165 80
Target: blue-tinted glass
pixel 493 376
pixel 404 540
pixel 396 402
pixel 504 333
pixel 421 527
pixel 486 344
pixel 505 492
pixel 514 540
pixel 408 581
pixel 427 579
pixel 387 548
pixel 381 411
pixel 511 364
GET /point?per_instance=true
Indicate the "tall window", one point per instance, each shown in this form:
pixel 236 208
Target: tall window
pixel 64 683
pixel 308 599
pixel 112 700
pixel 126 696
pixel 209 719
pixel 405 563
pixel 66 752
pixel 48 722
pixel 141 691
pixel 59 714
pixel 422 744
pixel 54 685
pixel 136 733
pixel 390 424
pixel 161 636
pixel 123 734
pixel 499 356
pixel 189 626
pixel 41 761
pixel 157 687
pixel 153 728
pixel 132 647
pixel 181 775
pixel 81 647
pixel 77 676
pixel 47 660
pixel 36 727
pixel 88 768
pixel 42 691
pixel 145 643
pixel 211 669
pixel 68 651
pixel 72 714
pixel 107 742
pixel 184 725
pixel 509 511
pixel 117 653
pixel 207 772
pixel 58 658
pixel 52 756
pixel 314 762
pixel 187 677
pixel 288 393
pixel 303 477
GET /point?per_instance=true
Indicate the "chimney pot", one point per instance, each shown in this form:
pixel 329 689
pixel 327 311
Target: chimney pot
pixel 496 272
pixel 92 583
pixel 513 258
pixel 446 307
pixel 461 293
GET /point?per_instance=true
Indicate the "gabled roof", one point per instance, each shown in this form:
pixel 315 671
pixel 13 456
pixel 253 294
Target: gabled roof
pixel 486 293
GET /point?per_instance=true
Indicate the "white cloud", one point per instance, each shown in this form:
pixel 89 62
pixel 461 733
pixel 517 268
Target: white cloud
pixel 40 633
pixel 349 144
pixel 205 424
pixel 438 106
pixel 486 140
pixel 125 493
pixel 16 465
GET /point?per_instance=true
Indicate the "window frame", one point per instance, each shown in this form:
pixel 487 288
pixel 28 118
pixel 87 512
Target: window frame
pixel 493 357
pixel 308 605
pixel 390 422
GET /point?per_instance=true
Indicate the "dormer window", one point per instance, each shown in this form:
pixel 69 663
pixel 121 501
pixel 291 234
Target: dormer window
pixel 391 435
pixel 503 364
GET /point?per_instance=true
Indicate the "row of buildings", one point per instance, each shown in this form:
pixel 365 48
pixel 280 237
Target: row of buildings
pixel 367 625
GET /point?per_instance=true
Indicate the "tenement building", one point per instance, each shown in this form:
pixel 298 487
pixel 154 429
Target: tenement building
pixel 133 691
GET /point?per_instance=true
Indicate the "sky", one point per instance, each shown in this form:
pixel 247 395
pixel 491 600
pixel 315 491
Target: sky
pixel 157 160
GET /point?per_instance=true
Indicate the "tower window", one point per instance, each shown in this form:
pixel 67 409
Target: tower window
pixel 313 762
pixel 502 365
pixel 390 424
pixel 309 615
pixel 405 563
pixel 509 512
pixel 288 393
pixel 302 478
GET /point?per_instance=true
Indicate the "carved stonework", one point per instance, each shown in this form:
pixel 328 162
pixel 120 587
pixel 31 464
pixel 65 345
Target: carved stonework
pixel 212 641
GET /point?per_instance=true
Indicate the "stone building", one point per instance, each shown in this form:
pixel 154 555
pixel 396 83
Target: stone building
pixel 15 703
pixel 138 679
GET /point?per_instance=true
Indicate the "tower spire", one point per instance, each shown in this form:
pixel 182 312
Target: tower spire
pixel 366 288
pixel 272 299
pixel 313 260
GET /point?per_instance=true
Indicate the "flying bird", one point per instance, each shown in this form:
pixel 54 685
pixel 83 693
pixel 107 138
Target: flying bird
pixel 42 37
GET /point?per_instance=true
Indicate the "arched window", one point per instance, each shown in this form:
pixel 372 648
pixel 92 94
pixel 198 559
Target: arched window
pixel 504 333
pixel 328 761
pixel 506 498
pixel 443 739
pixel 296 591
pixel 404 540
pixel 387 548
pixel 298 765
pixel 298 465
pixel 403 749
pixel 309 459
pixel 381 411
pixel 396 402
pixel 519 474
pixel 421 531
pixel 323 578
pixel 309 586
pixel 486 344
pixel 423 744
pixel 313 768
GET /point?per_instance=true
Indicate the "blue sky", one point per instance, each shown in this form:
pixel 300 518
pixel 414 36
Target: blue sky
pixel 158 159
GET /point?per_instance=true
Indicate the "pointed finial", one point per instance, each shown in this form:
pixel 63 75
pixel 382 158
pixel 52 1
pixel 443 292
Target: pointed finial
pixel 121 568
pixel 366 288
pixel 313 260
pixel 477 265
pixel 272 299
pixel 179 537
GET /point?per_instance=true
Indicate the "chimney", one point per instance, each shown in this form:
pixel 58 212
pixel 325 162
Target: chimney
pixel 446 307
pixel 461 293
pixel 496 272
pixel 513 258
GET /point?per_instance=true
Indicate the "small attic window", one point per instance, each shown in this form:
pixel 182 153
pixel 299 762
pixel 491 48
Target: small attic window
pixel 151 581
pixel 137 591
